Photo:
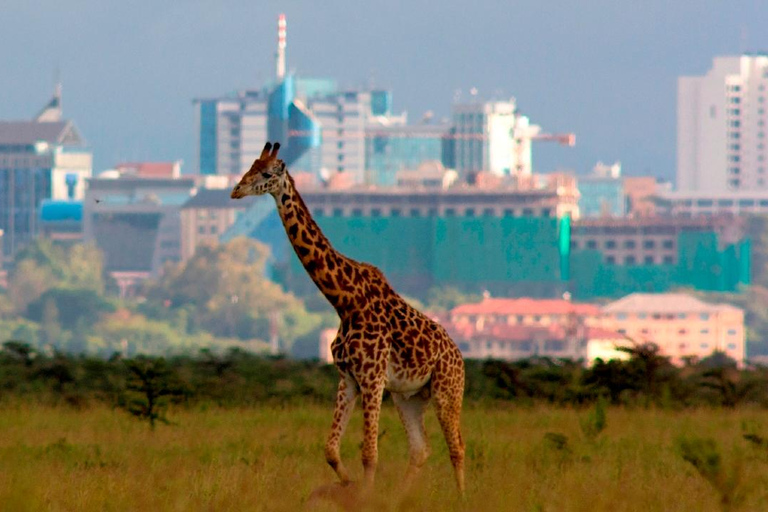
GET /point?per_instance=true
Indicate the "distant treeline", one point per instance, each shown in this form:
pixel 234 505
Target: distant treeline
pixel 238 378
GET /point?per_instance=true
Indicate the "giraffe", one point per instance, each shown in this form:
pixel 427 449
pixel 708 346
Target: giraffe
pixel 382 342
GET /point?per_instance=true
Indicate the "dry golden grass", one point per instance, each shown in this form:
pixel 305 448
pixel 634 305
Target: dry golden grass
pixel 272 459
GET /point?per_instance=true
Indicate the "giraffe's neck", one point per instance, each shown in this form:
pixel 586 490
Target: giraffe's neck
pixel 321 261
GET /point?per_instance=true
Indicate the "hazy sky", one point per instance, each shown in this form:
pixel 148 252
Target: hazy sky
pixel 604 69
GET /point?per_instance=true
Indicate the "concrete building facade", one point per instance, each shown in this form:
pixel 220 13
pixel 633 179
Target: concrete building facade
pixel 679 324
pixel 721 128
pixel 42 159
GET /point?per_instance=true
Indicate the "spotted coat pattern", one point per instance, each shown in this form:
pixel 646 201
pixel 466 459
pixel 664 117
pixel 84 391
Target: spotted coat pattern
pixel 382 342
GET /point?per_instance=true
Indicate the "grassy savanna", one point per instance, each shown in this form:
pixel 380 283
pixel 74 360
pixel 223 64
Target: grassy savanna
pixel 271 458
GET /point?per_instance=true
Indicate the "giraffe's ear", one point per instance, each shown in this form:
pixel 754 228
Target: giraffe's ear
pixel 265 151
pixel 275 149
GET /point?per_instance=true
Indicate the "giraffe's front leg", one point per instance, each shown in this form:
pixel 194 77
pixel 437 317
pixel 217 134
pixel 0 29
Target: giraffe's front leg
pixel 371 397
pixel 345 403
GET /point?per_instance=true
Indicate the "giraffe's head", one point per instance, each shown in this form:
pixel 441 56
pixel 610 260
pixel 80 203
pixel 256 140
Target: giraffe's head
pixel 265 175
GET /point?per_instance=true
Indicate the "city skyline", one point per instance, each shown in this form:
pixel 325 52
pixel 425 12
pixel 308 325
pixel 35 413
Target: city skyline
pixel 604 70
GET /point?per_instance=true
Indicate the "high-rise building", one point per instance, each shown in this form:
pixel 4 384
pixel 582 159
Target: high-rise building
pixel 493 136
pixel 394 148
pixel 721 133
pixel 602 192
pixel 42 159
pixel 321 128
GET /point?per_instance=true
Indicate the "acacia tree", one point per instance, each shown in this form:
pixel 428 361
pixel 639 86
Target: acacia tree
pixel 149 387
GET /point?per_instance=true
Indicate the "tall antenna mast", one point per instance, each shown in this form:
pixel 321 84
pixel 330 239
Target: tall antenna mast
pixel 280 59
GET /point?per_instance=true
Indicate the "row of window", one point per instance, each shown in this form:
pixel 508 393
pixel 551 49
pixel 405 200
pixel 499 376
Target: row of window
pixel 647 260
pixel 664 316
pixel 708 203
pixel 628 244
pixel 434 212
pixel 205 230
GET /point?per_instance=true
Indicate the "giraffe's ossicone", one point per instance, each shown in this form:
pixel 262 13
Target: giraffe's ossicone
pixel 382 343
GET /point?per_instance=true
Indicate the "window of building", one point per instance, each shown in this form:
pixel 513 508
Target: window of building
pixel 611 260
pixel 527 212
pixel 734 158
pixel 469 212
pixel 450 212
pixel 734 170
pixel 642 316
pixel 704 345
pixel 629 244
pixel 610 244
pixel 649 260
pixel 509 212
pixel 704 316
pixel 488 212
pixel 214 229
pixel 546 212
pixel 574 245
pixel 704 331
pixel 668 244
pixel 630 260
pixel 415 212
pixel 375 212
pixel 338 212
pixel 668 260
pixel 649 244
pixel 682 331
pixel 200 230
pixel 357 212
pixel 318 212
pixel 731 332
pixel 395 212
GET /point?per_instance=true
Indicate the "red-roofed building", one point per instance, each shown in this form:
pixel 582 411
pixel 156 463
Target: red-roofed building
pixel 523 311
pixel 511 329
pixel 150 169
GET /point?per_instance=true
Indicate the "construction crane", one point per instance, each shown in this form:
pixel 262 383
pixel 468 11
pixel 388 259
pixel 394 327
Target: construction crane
pixel 523 134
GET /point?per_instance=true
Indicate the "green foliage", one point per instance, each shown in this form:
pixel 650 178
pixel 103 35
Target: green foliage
pixel 149 387
pixel 595 422
pixel 704 455
pixel 445 298
pixel 75 307
pixel 223 290
pixel 42 265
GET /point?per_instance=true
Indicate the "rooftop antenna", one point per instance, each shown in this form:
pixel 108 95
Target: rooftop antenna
pixel 280 58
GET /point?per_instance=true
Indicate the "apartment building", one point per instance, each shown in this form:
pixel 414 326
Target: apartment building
pixel 681 325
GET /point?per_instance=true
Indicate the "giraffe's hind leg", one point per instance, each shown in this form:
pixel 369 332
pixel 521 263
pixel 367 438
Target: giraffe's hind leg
pixel 448 394
pixel 371 398
pixel 345 403
pixel 411 411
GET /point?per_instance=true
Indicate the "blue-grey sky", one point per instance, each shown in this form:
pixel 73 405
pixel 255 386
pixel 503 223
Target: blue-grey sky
pixel 604 69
